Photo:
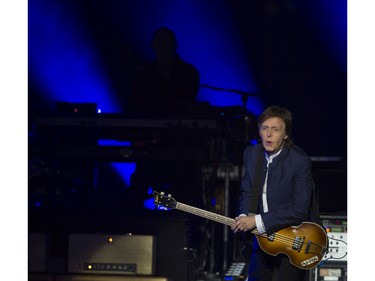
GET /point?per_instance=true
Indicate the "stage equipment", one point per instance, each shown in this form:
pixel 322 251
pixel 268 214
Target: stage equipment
pixel 334 263
pixel 236 271
pixel 88 277
pixel 112 254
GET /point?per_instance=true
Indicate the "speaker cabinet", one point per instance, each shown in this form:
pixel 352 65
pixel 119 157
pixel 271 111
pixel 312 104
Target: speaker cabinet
pixel 111 254
pixel 90 277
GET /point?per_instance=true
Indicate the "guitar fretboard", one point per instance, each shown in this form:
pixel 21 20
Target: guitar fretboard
pixel 205 214
pixel 209 215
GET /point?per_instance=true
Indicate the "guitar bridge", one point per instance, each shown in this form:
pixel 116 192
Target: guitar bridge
pixel 297 243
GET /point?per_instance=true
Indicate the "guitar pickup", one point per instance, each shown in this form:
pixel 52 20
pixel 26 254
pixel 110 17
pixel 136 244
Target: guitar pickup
pixel 297 243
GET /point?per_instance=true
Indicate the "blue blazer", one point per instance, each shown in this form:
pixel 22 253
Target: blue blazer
pixel 289 187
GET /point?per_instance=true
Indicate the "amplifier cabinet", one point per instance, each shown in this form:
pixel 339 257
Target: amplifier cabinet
pixel 90 277
pixel 112 254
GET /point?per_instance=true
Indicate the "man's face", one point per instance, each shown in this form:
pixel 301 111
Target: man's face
pixel 272 133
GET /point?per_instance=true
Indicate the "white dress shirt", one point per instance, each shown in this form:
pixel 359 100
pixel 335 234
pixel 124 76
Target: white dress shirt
pixel 258 218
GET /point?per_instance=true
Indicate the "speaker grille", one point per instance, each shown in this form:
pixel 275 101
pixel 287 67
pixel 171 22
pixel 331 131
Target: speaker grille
pixel 111 254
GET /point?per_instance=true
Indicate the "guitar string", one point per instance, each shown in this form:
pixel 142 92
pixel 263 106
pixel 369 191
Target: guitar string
pixel 229 221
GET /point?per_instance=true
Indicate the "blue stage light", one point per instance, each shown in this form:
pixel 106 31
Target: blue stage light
pixel 111 142
pixel 63 59
pixel 125 170
pixel 328 20
pixel 149 204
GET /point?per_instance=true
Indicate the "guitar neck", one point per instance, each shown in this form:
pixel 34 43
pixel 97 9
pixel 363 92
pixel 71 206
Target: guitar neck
pixel 205 214
pixel 208 215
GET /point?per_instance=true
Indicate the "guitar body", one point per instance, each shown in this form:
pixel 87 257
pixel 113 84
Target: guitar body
pixel 305 245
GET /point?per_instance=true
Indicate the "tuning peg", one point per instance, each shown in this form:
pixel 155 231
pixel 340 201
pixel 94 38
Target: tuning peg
pixel 162 192
pixel 169 195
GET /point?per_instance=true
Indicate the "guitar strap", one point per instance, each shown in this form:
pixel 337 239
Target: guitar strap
pixel 256 190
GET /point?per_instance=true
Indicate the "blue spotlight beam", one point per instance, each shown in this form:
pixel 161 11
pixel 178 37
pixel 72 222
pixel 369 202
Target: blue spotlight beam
pixel 328 20
pixel 63 59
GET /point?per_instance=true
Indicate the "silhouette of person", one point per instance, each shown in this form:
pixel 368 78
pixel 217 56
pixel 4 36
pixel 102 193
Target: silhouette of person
pixel 168 84
pixel 165 87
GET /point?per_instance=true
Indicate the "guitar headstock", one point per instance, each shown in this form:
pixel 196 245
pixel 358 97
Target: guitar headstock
pixel 167 201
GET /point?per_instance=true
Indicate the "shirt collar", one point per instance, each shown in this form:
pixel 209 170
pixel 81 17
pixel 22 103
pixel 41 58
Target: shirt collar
pixel 272 156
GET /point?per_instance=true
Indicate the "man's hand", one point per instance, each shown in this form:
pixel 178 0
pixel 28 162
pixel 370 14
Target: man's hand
pixel 244 223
